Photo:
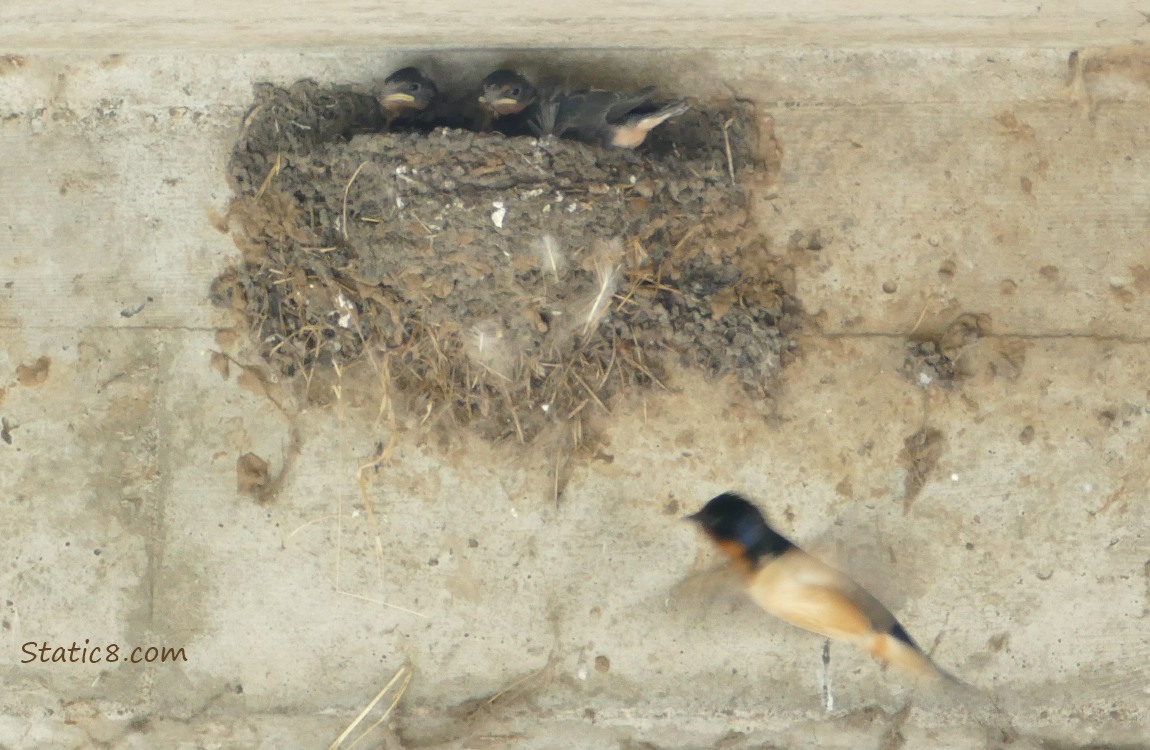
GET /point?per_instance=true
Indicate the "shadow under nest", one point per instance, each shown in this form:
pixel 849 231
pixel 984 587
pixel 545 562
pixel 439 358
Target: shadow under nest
pixel 508 283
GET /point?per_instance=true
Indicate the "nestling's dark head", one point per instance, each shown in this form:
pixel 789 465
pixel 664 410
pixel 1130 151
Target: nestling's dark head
pixel 507 92
pixel 730 519
pixel 407 89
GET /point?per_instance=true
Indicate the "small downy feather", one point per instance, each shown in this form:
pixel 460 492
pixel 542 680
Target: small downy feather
pixel 490 348
pixel 552 259
pixel 605 261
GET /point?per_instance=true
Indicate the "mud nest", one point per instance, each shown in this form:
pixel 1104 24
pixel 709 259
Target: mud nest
pixel 504 282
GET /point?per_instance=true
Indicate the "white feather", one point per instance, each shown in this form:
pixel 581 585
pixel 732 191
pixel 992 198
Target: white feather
pixel 551 257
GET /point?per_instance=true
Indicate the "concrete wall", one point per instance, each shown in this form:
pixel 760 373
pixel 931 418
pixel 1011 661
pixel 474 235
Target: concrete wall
pixel 949 159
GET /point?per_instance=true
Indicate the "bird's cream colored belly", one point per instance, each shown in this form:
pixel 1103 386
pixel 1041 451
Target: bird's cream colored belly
pixel 804 592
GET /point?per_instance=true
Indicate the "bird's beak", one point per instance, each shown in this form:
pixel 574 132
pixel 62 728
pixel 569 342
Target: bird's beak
pixel 503 105
pixel 398 97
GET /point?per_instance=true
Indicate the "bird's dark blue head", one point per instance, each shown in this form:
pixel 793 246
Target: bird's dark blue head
pixel 407 89
pixel 730 519
pixel 507 92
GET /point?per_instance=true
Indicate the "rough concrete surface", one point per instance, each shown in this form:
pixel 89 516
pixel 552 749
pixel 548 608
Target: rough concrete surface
pixel 917 184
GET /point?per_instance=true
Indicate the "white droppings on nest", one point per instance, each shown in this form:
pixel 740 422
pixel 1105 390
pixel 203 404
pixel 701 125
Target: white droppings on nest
pixel 401 170
pixel 498 214
pixel 346 310
pixel 552 259
pixel 572 207
pixel 924 378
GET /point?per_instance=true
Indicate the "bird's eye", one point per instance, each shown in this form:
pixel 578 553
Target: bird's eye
pixel 514 91
pixel 413 87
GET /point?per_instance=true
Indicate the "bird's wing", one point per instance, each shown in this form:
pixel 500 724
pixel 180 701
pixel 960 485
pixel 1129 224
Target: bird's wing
pixel 580 110
pixel 624 104
pixel 545 119
pixel 591 109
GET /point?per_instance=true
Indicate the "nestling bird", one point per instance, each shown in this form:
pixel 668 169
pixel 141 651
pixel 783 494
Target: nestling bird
pixel 604 118
pixel 510 101
pixel 407 96
pixel 800 589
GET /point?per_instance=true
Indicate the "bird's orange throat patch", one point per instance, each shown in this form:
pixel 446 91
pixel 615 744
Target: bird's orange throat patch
pixel 737 553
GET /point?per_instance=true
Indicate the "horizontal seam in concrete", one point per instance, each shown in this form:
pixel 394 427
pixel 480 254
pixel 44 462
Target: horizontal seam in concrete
pixel 142 329
pixel 1111 338
pixel 170 39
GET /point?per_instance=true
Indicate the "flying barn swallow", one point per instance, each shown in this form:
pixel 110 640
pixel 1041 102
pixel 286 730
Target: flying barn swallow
pixel 511 102
pixel 797 588
pixel 605 118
